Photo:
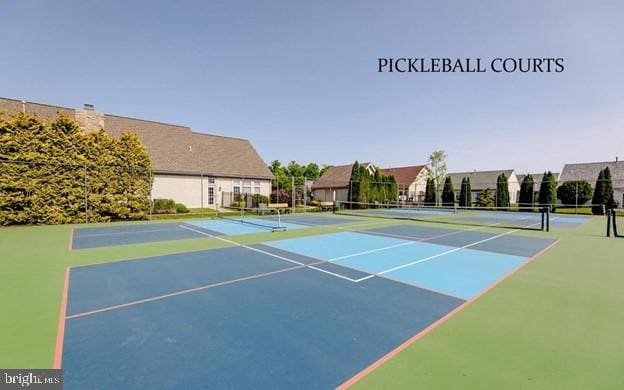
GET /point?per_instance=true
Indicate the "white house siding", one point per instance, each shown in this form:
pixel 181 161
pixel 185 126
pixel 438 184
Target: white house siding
pixel 330 195
pixel 188 189
pixel 418 186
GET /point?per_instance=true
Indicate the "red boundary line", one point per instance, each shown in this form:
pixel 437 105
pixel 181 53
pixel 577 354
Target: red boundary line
pixel 434 325
pixel 60 333
pixel 71 240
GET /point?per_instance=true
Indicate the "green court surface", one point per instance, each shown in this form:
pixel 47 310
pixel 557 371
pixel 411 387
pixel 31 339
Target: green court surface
pixel 557 323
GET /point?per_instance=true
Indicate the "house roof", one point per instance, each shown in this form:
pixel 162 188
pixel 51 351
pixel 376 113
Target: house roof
pixel 177 149
pixel 537 178
pixel 337 176
pixel 404 175
pixel 479 180
pixel 589 172
pixel 173 149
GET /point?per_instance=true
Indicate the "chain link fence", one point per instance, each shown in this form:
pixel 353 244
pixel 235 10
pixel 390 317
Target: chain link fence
pixel 56 193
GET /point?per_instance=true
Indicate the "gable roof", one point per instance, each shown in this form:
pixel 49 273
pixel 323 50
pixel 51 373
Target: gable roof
pixel 537 178
pixel 177 149
pixel 337 176
pixel 404 175
pixel 479 180
pixel 589 172
pixel 173 149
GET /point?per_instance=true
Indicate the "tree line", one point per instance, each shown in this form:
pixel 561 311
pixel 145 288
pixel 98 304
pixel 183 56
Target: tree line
pixel 570 192
pixel 366 188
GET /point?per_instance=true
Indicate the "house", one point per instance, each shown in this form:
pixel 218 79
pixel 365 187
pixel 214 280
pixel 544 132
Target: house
pixel 189 167
pixel 334 184
pixel 589 172
pixel 480 180
pixel 537 182
pixel 411 181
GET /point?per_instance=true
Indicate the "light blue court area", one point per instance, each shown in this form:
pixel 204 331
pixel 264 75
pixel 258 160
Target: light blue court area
pixel 232 227
pixel 453 270
pixel 463 273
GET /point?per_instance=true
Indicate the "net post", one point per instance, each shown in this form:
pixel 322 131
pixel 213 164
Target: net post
pixel 614 219
pixel 609 223
pixel 548 219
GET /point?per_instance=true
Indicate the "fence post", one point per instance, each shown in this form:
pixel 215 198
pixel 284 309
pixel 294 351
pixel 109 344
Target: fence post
pixel 292 193
pixel 86 195
pixel 151 183
pixel 305 193
pixel 201 193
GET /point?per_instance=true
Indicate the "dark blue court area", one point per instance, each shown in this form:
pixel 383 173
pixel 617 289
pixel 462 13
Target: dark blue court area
pixel 95 237
pixel 307 312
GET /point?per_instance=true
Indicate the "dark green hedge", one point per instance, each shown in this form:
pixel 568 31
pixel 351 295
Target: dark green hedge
pixel 51 172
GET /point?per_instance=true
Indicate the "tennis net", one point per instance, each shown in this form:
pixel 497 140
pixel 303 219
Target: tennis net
pixel 506 217
pixel 615 222
pixel 262 218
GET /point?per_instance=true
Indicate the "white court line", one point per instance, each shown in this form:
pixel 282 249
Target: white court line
pixel 372 251
pixel 439 254
pixel 268 253
pixel 412 241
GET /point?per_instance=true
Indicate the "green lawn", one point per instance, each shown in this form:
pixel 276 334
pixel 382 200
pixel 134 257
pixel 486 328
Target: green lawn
pixel 555 324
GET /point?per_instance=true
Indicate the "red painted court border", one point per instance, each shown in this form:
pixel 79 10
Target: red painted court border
pixel 434 325
pixel 71 239
pixel 60 333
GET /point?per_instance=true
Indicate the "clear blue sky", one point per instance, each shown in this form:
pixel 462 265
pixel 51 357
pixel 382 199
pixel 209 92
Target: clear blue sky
pixel 299 78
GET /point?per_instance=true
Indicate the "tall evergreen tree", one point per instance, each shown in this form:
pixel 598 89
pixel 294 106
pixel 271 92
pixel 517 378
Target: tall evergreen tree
pixel 430 192
pixel 448 193
pixel 598 198
pixel 609 201
pixel 502 191
pixel 462 193
pixel 526 192
pixel 548 191
pixel 354 184
pixel 468 187
pixel 603 194
pixel 364 186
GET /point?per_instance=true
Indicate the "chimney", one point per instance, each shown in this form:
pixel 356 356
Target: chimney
pixel 89 119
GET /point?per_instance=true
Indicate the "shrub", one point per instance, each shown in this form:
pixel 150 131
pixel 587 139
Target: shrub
pixel 52 172
pixel 164 206
pixel 256 199
pixel 485 198
pixel 181 208
pixel 574 192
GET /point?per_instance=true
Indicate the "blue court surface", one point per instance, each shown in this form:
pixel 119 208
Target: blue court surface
pixel 95 237
pixel 308 312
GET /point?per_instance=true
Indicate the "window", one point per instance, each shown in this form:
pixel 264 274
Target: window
pixel 256 187
pixel 210 195
pixel 247 187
